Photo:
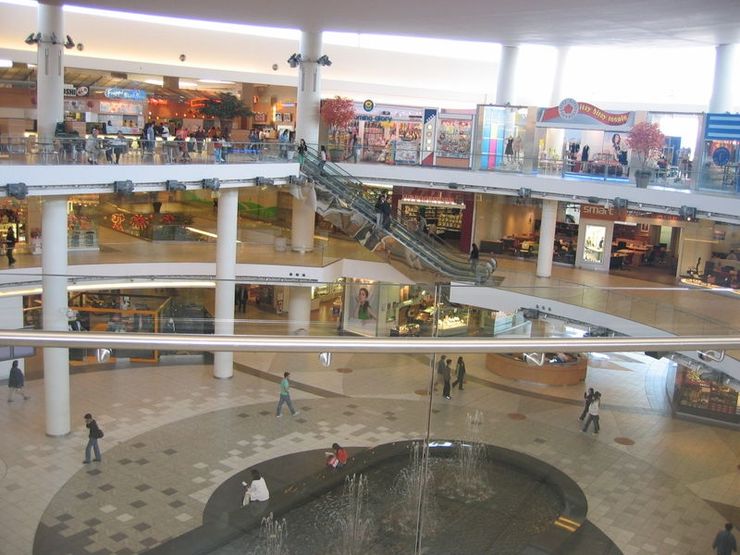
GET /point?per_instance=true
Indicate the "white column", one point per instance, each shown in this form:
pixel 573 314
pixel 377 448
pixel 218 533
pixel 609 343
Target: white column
pixel 54 297
pixel 50 70
pixel 309 89
pixel 557 81
pixel 506 74
pixel 724 65
pixel 547 237
pixel 299 310
pixel 228 202
pixel 303 219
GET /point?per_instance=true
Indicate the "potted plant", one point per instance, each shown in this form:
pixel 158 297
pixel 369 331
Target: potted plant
pixel 337 113
pixel 646 143
pixel 225 107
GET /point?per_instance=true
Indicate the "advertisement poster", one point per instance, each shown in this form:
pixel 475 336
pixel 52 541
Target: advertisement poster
pixel 582 115
pixel 361 316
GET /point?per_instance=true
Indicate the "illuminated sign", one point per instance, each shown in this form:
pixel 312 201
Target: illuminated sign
pixel 125 94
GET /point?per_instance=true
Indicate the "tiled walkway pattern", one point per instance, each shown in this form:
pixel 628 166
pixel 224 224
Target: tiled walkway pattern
pixel 173 434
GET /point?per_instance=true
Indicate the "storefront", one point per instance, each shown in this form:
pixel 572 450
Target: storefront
pixel 720 161
pixel 595 230
pixel 578 139
pixel 121 110
pixel 681 133
pixel 448 138
pixel 500 138
pixel 386 134
pixel 696 390
pixel 447 215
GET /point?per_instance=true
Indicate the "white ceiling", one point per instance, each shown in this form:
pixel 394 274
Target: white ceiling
pixel 553 22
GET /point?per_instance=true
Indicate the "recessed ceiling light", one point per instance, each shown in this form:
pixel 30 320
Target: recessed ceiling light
pixel 157 82
pixel 188 85
pixel 215 82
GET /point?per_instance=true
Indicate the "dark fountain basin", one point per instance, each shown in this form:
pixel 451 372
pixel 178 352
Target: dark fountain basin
pixel 519 505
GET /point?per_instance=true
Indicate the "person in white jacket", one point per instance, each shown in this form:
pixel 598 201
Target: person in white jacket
pixel 256 490
pixel 593 413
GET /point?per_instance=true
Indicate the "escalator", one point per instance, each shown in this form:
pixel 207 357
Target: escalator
pixel 340 201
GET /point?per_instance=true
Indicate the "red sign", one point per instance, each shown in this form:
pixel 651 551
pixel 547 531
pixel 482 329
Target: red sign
pixel 571 113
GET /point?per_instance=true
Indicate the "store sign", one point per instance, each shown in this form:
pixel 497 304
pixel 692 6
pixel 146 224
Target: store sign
pixel 722 127
pixel 125 94
pixel 365 117
pixel 71 90
pixel 368 105
pixel 597 212
pixel 582 115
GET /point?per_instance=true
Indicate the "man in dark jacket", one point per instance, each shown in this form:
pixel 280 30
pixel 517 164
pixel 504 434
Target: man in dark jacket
pixel 587 397
pixel 385 210
pixel 93 436
pixel 9 246
pixel 724 542
pixel 16 381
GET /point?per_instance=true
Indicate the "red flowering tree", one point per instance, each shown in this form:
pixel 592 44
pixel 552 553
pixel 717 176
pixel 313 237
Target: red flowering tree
pixel 337 113
pixel 646 142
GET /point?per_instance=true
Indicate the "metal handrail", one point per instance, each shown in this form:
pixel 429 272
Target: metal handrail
pixel 302 344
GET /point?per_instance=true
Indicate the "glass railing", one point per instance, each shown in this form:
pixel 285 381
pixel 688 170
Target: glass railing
pixel 137 151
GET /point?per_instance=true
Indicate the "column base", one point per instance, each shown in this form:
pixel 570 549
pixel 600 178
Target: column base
pixel 59 435
pixel 302 250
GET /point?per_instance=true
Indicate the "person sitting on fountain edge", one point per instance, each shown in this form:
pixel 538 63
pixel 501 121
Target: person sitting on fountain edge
pixel 337 458
pixel 256 490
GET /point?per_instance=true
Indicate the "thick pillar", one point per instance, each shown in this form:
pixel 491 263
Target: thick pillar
pixel 299 310
pixel 547 237
pixel 557 81
pixel 506 74
pixel 54 297
pixel 309 89
pixel 721 100
pixel 223 362
pixel 304 218
pixel 50 71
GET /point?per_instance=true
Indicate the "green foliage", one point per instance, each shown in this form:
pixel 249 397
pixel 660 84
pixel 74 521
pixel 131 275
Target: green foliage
pixel 225 107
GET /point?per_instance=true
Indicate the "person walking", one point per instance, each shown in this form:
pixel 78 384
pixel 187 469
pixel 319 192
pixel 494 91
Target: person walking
pixel 378 210
pixel 459 374
pixel 588 396
pixel 440 370
pixel 302 150
pixel 9 246
pixel 724 542
pixel 447 376
pixel 323 157
pixel 285 396
pixel 16 381
pixel 94 434
pixel 593 413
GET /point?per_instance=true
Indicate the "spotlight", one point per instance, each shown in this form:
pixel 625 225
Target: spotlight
pixel 33 38
pixel 69 43
pixel 174 185
pixel 297 179
pixel 294 60
pixel 17 190
pixel 688 213
pixel 324 61
pixel 212 184
pixel 264 181
pixel 525 193
pixel 593 200
pixel 123 187
pixel 453 185
pixel 620 203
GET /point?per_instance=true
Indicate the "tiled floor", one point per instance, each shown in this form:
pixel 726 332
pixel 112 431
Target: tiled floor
pixel 173 434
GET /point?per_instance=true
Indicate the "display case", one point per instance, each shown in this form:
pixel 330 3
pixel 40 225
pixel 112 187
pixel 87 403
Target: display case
pixel 452 321
pixel 707 394
pixel 454 137
pixel 593 247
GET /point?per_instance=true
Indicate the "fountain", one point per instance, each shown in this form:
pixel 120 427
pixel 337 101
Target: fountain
pixel 470 456
pixel 355 527
pixel 273 535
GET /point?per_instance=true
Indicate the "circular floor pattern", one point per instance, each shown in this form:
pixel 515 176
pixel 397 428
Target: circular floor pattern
pixel 345 370
pixel 517 416
pixel 624 441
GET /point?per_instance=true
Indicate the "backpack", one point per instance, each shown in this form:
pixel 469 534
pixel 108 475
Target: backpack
pixel 100 434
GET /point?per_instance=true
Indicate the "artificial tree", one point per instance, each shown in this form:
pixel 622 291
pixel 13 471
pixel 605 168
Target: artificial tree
pixel 225 107
pixel 337 113
pixel 646 141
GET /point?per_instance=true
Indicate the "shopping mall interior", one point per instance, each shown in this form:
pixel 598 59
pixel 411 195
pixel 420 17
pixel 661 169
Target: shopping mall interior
pixel 451 278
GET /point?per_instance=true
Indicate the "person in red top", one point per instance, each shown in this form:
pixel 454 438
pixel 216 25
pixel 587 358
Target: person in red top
pixel 338 458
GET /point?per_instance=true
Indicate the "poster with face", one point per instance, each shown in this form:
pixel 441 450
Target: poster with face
pixel 362 314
